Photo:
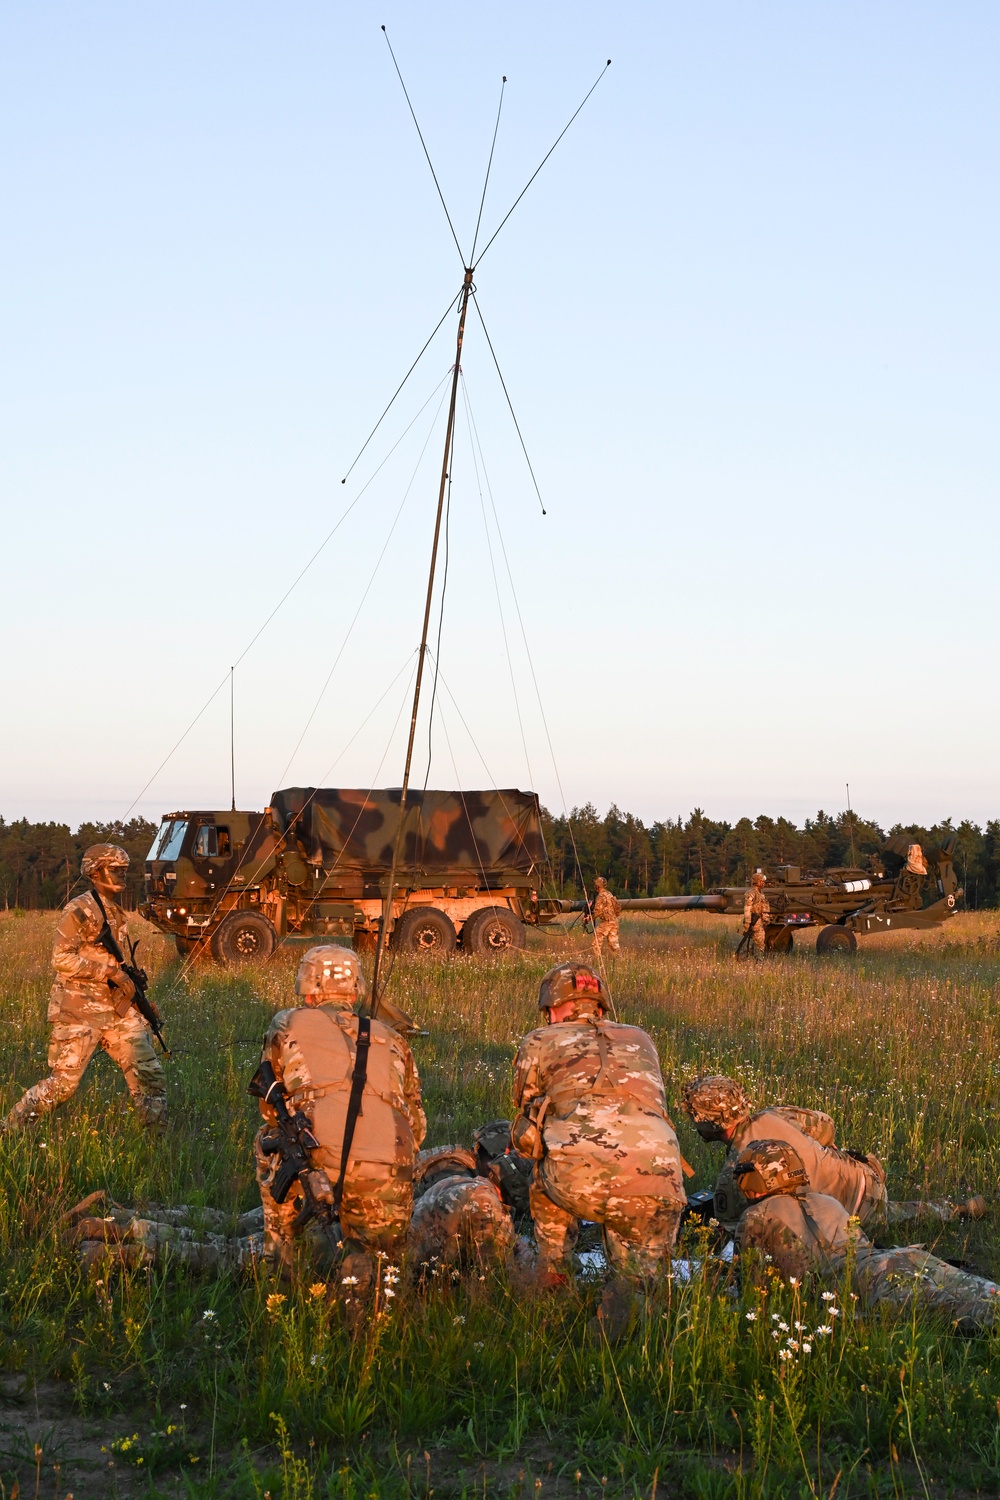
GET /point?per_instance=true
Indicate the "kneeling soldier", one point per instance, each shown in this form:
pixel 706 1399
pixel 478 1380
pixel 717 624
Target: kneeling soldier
pixel 594 1119
pixel 312 1050
pixel 459 1218
pixel 810 1236
pixel 90 1005
pixel 721 1111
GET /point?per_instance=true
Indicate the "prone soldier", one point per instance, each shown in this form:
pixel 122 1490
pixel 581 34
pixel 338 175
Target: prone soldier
pixel 756 915
pixel 721 1111
pixel 91 1003
pixel 313 1049
pixel 606 912
pixel 811 1236
pixel 459 1217
pixel 593 1118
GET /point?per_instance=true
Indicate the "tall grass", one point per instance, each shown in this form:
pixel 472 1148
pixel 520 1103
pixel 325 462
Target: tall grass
pixel 201 1386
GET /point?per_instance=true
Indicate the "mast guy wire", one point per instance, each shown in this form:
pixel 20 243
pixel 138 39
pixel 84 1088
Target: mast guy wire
pixel 510 403
pixel 544 158
pixel 424 144
pixel 489 165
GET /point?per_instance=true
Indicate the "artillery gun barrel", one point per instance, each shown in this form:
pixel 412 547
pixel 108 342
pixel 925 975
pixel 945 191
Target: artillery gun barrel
pixel 713 902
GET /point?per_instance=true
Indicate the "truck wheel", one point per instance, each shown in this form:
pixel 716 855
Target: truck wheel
pixel 493 929
pixel 425 930
pixel 836 939
pixel 242 937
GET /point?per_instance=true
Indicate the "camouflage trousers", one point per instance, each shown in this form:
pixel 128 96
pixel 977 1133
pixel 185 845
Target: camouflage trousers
pixel 895 1277
pixel 758 939
pixel 374 1211
pixel 606 931
pixel 639 1230
pixel 461 1221
pixel 72 1043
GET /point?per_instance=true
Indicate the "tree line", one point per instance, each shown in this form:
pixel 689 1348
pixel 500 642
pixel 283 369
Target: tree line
pixel 40 862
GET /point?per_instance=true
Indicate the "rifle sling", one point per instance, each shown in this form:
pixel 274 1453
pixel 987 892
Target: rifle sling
pixel 106 937
pixel 358 1078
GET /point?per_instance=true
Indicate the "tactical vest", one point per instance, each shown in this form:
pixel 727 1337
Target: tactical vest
pixel 326 1037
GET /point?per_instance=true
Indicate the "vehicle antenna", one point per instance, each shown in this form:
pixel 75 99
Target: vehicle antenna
pixel 383 932
pixel 851 822
pixel 232 735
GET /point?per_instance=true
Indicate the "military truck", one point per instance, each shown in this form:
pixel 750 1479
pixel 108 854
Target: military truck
pixel 315 864
pixel 845 902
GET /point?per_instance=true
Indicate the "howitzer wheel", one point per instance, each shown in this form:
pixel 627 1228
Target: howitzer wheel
pixel 836 939
pixel 493 929
pixel 427 931
pixel 244 937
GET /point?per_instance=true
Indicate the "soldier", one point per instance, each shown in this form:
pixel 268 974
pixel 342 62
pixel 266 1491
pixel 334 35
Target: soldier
pixel 459 1218
pixel 606 911
pixel 721 1111
pixel 90 1004
pixel 756 914
pixel 312 1049
pixel 809 1235
pixel 594 1120
pixel 497 1159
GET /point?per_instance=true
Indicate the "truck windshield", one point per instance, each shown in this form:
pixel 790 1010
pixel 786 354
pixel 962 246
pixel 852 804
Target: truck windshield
pixel 168 839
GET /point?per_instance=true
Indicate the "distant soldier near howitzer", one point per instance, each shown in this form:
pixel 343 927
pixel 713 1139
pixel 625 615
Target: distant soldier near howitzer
pixel 459 1217
pixel 313 1050
pixel 756 915
pixel 720 1111
pixel 606 912
pixel 92 1002
pixel 593 1117
pixel 810 1236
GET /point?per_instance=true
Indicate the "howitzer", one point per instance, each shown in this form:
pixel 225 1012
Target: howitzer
pixel 292 1141
pixel 845 902
pixel 140 979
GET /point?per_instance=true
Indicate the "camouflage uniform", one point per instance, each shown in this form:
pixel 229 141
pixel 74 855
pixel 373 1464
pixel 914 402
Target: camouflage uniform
pixel 756 915
pixel 606 911
pixel 86 1013
pixel 459 1218
pixel 312 1050
pixel 594 1116
pixel 809 1235
pixel 497 1159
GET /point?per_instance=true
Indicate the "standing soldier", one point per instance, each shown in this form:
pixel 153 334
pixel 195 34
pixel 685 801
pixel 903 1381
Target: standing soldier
pixel 90 1004
pixel 756 914
pixel 606 911
pixel 593 1117
pixel 313 1050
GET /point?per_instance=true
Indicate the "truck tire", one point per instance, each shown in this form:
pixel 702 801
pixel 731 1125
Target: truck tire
pixel 425 930
pixel 243 937
pixel 493 929
pixel 836 939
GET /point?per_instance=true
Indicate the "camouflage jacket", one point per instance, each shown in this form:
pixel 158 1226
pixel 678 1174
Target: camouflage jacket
pixel 755 904
pixel 805 1234
pixel 83 968
pixel 312 1050
pixel 597 1091
pixel 605 907
pixel 460 1216
pixel 828 1169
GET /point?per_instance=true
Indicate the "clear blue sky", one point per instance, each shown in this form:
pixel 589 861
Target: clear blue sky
pixel 748 317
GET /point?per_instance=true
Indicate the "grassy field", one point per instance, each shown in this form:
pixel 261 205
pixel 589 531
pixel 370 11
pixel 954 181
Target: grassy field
pixel 166 1383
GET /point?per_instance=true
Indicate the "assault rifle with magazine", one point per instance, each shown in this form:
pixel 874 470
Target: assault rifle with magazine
pixel 138 977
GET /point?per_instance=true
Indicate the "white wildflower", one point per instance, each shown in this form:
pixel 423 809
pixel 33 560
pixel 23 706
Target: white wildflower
pixel 349 1281
pixel 208 1315
pixel 751 1317
pixel 828 1296
pixel 807 1348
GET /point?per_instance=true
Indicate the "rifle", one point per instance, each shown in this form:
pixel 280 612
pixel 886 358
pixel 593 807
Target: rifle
pixel 129 967
pixel 292 1140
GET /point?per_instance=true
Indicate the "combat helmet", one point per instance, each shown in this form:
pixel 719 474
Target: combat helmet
pixel 766 1167
pixel 331 972
pixel 101 856
pixel 441 1161
pixel 571 981
pixel 713 1104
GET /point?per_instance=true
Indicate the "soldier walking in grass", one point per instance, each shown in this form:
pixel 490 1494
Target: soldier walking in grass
pixel 313 1049
pixel 720 1111
pixel 756 915
pixel 90 1004
pixel 810 1236
pixel 593 1117
pixel 606 912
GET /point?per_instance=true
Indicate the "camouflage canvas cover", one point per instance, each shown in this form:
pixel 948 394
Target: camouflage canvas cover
pixel 496 835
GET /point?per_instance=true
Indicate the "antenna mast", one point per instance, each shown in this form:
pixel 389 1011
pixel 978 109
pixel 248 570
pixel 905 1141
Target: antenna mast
pixel 383 932
pixel 232 736
pixel 851 818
